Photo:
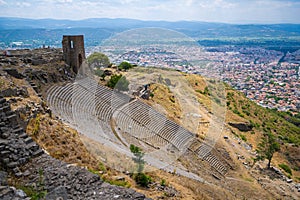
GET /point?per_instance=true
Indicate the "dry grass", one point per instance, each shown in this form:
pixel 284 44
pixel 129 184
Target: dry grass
pixel 165 98
pixel 60 141
pixel 4 83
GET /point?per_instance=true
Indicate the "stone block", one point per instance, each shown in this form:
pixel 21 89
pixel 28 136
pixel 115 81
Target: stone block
pixel 13 72
pixel 12 119
pixel 32 146
pixel 12 164
pixel 4 153
pixel 28 140
pixel 58 193
pixel 23 160
pixel 38 152
pixel 18 174
pixel 6 108
pixel 5 160
pixel 26 173
pixel 18 131
pixel 23 135
pixel 6 191
pixel 2 100
pixel 289 180
pixel 20 193
pixel 3 178
pixel 4 142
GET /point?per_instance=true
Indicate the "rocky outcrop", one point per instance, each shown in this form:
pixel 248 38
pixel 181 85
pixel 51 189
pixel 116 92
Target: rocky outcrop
pixel 275 182
pixel 71 182
pixel 242 126
pixel 23 159
pixel 10 92
pixel 14 73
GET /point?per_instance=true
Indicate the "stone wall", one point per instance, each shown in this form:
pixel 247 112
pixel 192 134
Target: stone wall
pixel 73 50
pixel 22 159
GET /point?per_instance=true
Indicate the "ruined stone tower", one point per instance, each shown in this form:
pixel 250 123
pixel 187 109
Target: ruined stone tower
pixel 73 50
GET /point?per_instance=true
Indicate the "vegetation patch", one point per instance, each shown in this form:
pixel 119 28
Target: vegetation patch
pixel 140 178
pixel 118 82
pixel 35 192
pixel 286 168
pixel 36 127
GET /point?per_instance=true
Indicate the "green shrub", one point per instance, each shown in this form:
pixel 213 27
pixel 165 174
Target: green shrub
pixel 235 111
pixel 206 91
pixel 246 112
pixel 32 192
pixel 37 192
pixel 163 182
pixel 243 137
pixel 119 183
pixel 125 66
pixel 142 179
pixel 286 168
pixel 118 82
pixel 102 167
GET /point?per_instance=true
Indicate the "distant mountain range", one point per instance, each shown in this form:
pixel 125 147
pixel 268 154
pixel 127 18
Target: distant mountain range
pixel 192 28
pixel 49 31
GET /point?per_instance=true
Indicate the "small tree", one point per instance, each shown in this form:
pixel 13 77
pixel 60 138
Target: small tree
pixel 138 159
pixel 118 82
pixel 267 147
pixel 140 178
pixel 98 60
pixel 125 66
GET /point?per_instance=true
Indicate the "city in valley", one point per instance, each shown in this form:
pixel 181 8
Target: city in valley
pixel 268 77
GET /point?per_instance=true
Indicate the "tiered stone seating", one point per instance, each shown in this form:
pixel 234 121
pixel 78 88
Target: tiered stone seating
pixel 130 126
pixel 94 111
pixel 60 101
pixel 204 152
pixel 92 107
pixel 215 163
pixel 136 115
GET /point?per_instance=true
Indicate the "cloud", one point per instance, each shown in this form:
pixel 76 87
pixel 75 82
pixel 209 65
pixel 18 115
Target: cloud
pixel 64 1
pixel 23 4
pixel 233 11
pixel 277 3
pixel 2 2
pixel 215 4
pixel 54 1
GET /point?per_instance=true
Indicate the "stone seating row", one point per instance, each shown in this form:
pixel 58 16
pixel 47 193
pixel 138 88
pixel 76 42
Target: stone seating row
pixel 204 152
pixel 93 106
pixel 135 113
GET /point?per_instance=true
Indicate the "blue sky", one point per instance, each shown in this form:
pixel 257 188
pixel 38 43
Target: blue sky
pixel 229 11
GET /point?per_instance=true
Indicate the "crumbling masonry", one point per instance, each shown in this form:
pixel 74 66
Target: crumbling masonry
pixel 73 51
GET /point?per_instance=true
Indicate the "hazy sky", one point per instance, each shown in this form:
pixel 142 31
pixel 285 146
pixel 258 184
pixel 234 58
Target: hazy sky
pixel 232 11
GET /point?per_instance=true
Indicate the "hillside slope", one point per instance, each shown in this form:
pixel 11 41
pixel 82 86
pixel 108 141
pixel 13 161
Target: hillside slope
pixel 234 146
